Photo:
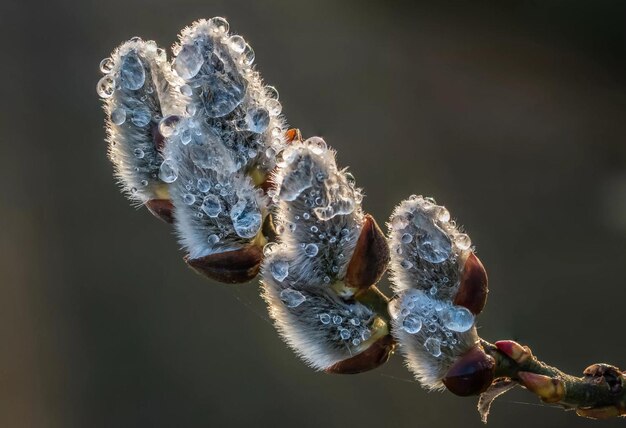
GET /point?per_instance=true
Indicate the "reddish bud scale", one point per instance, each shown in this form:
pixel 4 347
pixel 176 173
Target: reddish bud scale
pixel 161 209
pixel 471 374
pixel 473 287
pixel 377 354
pixel 370 258
pixel 231 267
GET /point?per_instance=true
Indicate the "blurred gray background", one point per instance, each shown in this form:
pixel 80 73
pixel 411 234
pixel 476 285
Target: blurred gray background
pixel 512 114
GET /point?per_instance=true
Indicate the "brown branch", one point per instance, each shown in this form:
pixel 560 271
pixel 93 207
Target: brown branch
pixel 599 394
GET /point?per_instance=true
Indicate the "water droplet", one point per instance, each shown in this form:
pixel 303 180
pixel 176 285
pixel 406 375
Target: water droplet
pixel 344 334
pixel 132 73
pixel 106 65
pixel 237 43
pixel 433 244
pixel 167 172
pixel 118 116
pixel 144 182
pixel 443 215
pixel 189 199
pixel 213 239
pixel 296 180
pixel 337 319
pixel 399 222
pixel 350 179
pixel 406 238
pixel 203 185
pixel 274 106
pixel 141 116
pixel 292 298
pixel 246 218
pixel 168 124
pixel 105 87
pixel 191 109
pixel 406 264
pixel 188 61
pixel 311 250
pixel 185 136
pixel 317 145
pixel 211 205
pixel 279 270
pixel 139 154
pixel 218 25
pixel 271 92
pixel 247 56
pixel 433 346
pixel 433 290
pixel 458 319
pixel 186 90
pixel 412 324
pixel 462 241
pixel 257 120
pixel 325 318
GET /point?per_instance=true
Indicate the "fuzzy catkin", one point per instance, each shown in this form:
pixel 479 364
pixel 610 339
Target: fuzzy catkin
pixel 427 256
pixel 319 218
pixel 225 145
pixel 137 93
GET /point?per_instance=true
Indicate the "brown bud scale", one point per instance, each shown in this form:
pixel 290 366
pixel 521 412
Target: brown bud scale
pixel 231 267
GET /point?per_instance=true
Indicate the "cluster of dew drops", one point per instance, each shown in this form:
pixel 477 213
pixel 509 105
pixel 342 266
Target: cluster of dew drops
pixel 131 76
pixel 435 239
pixel 309 226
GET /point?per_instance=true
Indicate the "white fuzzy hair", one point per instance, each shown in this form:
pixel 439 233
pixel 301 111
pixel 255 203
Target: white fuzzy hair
pixel 132 148
pixel 312 209
pixel 215 143
pixel 434 284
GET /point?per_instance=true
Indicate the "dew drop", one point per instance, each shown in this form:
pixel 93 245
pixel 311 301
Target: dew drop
pixel 407 238
pixel 218 25
pixel 292 298
pixel 344 334
pixel 188 61
pixel 247 56
pixel 132 73
pixel 167 172
pixel 105 87
pixel 213 239
pixel 237 43
pixel 246 218
pixel 325 318
pixel 203 185
pixel 271 92
pixel 279 270
pixel 458 319
pixel 168 124
pixel 433 346
pixel 118 116
pixel 311 250
pixel 411 324
pixel 106 65
pixel 139 154
pixel 141 116
pixel 189 199
pixel 257 120
pixel 186 90
pixel 211 205
pixel 274 106
pixel 462 241
pixel 337 319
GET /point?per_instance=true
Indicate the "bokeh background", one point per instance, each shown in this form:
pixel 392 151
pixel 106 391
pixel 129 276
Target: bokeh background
pixel 512 114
